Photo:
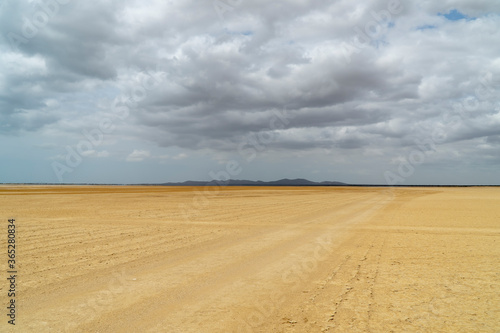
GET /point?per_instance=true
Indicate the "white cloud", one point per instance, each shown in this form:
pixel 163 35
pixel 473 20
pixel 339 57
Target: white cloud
pixel 180 156
pixel 95 153
pixel 137 155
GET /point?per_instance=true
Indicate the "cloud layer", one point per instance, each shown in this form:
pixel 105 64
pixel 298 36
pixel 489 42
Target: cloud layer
pixel 361 84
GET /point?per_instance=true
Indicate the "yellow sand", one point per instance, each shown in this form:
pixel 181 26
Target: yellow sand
pixel 253 259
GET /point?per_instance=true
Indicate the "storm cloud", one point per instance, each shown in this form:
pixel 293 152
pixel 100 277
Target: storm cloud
pixel 361 83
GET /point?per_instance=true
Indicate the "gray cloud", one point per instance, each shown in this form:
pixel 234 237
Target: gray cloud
pixel 225 78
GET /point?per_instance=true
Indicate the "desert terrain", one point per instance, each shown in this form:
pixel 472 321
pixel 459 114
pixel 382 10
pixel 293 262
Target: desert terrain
pixel 253 259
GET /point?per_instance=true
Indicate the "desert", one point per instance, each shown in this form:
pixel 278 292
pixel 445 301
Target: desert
pixel 253 259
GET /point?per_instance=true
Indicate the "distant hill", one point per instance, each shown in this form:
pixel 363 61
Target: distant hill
pixel 241 182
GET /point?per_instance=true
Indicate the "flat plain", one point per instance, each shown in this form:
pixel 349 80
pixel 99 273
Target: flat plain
pixel 253 259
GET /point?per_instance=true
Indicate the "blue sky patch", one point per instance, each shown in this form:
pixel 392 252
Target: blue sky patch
pixel 455 15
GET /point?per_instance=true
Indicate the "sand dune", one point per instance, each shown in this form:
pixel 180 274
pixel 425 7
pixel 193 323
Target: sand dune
pixel 254 259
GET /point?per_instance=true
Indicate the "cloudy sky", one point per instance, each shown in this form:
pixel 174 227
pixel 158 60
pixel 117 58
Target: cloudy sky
pixel 381 92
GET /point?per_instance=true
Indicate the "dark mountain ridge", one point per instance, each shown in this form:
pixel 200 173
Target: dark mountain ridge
pixel 243 182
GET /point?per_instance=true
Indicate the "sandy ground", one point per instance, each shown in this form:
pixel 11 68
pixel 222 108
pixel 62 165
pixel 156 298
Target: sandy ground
pixel 307 259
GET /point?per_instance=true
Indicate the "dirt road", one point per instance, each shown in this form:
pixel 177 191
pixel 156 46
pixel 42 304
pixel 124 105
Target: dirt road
pixel 253 259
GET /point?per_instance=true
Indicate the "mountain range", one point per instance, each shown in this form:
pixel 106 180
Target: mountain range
pixel 242 182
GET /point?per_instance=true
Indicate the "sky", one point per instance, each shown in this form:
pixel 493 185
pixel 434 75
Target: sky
pixel 362 92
